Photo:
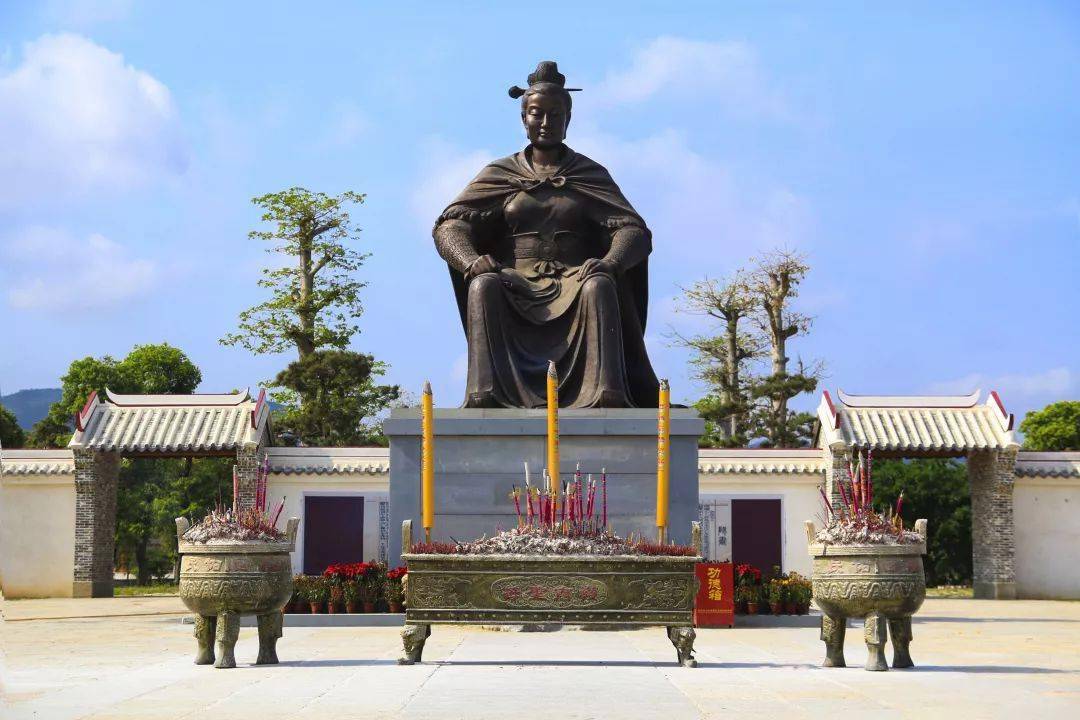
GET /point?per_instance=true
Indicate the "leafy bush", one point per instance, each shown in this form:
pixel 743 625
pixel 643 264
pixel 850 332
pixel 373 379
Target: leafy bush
pixel 936 489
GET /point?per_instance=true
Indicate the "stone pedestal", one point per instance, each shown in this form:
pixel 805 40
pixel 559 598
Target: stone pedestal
pixel 479 455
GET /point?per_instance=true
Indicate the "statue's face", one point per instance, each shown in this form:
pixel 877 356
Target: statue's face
pixel 545 118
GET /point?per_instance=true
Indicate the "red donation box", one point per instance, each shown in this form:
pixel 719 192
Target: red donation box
pixel 714 605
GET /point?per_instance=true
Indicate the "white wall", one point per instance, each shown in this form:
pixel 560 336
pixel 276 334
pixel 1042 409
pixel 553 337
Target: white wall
pixel 1047 517
pixel 37 535
pixel 295 487
pixel 799 502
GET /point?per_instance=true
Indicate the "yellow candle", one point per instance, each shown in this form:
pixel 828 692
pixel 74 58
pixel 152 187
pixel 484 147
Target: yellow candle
pixel 663 462
pixel 427 464
pixel 553 430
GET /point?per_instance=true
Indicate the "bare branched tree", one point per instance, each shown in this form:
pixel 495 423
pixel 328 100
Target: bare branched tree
pixel 720 360
pixel 774 282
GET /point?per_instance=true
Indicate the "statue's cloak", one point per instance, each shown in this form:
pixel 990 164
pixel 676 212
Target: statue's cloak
pixel 481 204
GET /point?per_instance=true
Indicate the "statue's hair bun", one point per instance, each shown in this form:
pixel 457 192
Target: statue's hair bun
pixel 547 71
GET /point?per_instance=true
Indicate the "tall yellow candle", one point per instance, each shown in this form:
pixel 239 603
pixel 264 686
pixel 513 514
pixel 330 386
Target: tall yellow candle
pixel 553 429
pixel 663 461
pixel 427 463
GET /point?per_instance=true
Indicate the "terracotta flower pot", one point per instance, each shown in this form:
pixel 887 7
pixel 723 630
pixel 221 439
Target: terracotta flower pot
pixel 369 607
pixel 316 606
pixel 752 608
pixel 791 608
pixel 331 608
pixel 395 607
pixel 350 606
pixel 776 608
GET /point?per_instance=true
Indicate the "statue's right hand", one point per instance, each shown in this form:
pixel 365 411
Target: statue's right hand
pixel 481 265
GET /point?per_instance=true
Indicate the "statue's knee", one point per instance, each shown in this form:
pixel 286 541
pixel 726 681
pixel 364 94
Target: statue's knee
pixel 598 287
pixel 484 286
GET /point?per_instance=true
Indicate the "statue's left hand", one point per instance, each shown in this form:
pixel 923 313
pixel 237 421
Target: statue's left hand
pixel 596 266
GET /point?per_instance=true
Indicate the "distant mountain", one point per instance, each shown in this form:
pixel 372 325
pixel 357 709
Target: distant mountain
pixel 30 406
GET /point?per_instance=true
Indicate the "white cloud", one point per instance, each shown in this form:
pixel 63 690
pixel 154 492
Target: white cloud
pixel 445 172
pixel 697 209
pixel 725 74
pixel 52 271
pixel 1048 385
pixel 77 119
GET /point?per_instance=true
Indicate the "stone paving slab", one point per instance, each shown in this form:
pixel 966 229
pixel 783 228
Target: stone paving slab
pixel 977 659
pixel 61 608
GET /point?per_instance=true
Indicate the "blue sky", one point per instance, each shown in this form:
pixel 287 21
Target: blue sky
pixel 925 158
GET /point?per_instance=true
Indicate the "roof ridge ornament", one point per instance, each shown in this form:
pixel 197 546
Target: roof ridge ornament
pixel 909 401
pixel 176 400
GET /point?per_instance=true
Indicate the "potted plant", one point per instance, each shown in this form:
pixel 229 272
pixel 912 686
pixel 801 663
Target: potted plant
pixel 775 594
pixel 791 599
pixel 867 564
pixel 234 562
pixel 335 576
pixel 298 602
pixel 352 592
pixel 395 588
pixel 373 580
pixel 800 591
pixel 749 577
pixel 318 590
pixel 753 600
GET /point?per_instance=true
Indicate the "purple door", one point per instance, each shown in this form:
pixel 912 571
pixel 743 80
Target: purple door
pixel 333 531
pixel 756 534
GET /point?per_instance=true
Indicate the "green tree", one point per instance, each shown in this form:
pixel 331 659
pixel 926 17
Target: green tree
pixel 315 300
pixel 938 490
pixel 155 492
pixel 146 369
pixel 720 361
pixel 11 435
pixel 342 398
pixel 1055 427
pixel 144 525
pixel 752 311
pixel 775 281
pixel 83 377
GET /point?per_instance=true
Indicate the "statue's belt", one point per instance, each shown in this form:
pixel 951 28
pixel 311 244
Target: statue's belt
pixel 547 246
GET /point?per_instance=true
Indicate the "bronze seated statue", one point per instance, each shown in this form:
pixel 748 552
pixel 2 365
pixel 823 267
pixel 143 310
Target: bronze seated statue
pixel 549 262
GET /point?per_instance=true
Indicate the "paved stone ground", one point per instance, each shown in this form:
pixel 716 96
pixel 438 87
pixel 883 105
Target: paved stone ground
pixel 977 659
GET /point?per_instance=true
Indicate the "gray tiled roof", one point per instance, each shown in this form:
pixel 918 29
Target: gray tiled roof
pixel 915 424
pixel 170 423
pixel 36 462
pixel 743 460
pixel 1048 464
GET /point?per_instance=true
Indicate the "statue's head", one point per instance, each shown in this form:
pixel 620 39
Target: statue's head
pixel 545 105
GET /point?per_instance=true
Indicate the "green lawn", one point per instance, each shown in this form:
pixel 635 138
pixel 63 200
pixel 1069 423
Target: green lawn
pixel 949 591
pixel 138 590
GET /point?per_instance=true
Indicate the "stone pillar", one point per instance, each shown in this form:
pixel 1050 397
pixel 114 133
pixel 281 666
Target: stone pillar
pixel 992 474
pixel 96 475
pixel 837 456
pixel 248 459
